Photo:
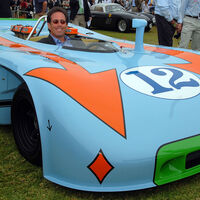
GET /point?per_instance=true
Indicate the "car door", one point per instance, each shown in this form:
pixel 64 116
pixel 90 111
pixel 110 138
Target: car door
pixel 8 85
pixel 111 16
pixel 3 82
pixel 98 19
pixel 4 109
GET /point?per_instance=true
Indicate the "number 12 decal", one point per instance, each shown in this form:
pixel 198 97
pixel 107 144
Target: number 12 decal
pixel 163 82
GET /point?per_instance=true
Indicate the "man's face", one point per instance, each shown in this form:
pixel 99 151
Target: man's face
pixel 58 25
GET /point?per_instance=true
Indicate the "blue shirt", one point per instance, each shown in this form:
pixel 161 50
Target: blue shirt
pixel 169 9
pixel 61 44
pixel 190 7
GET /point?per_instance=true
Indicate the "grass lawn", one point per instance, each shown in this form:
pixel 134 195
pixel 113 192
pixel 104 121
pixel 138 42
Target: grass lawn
pixel 149 37
pixel 19 180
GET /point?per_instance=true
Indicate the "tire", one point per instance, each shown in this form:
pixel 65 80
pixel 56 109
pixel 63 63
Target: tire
pixel 25 126
pixel 122 26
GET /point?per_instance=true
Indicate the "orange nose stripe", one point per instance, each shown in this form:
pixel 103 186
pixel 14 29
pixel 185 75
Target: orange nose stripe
pixel 99 93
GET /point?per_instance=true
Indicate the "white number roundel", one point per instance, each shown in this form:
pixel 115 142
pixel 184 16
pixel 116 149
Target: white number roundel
pixel 162 82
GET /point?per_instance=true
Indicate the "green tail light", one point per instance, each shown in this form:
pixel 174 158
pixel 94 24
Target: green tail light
pixel 177 160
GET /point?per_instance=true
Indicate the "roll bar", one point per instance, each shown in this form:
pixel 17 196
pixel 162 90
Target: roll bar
pixel 36 25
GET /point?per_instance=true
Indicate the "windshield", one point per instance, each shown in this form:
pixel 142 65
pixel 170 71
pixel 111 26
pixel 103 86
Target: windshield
pixel 90 44
pixel 113 8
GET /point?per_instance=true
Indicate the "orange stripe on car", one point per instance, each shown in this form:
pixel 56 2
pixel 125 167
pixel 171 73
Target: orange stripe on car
pixel 99 92
pixel 192 58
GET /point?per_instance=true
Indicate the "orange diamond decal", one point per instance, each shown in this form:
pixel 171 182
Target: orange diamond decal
pixel 100 167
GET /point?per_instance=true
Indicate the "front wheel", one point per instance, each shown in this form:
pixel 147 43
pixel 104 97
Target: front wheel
pixel 25 126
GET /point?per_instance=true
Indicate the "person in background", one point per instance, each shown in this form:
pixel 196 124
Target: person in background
pixel 120 2
pixel 128 5
pixel 40 8
pixel 57 24
pixel 134 8
pixel 23 6
pixel 52 3
pixel 190 15
pixel 5 11
pixel 151 6
pixel 14 5
pixel 145 6
pixel 29 9
pixel 138 4
pixel 65 5
pixel 80 12
pixel 90 3
pixel 107 1
pixel 167 20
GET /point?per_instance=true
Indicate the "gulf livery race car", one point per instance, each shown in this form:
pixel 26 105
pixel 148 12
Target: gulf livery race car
pixel 103 114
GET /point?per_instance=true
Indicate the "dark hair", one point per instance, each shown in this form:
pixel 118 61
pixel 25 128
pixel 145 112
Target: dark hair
pixel 54 10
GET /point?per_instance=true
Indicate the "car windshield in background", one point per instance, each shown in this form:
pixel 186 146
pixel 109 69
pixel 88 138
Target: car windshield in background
pixel 113 8
pixel 90 44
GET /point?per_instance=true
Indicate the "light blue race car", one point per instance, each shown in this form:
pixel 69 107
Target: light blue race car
pixel 103 114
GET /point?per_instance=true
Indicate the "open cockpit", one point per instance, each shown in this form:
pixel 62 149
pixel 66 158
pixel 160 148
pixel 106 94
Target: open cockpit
pixel 78 41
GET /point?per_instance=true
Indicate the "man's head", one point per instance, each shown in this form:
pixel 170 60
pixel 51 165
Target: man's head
pixel 57 22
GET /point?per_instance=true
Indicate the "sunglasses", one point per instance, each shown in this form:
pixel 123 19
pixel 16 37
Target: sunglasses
pixel 56 21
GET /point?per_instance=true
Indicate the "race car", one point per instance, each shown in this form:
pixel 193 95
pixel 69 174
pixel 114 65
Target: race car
pixel 104 114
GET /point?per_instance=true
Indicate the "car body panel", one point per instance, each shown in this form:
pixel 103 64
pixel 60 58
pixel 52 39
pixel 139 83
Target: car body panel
pixel 99 131
pixel 174 160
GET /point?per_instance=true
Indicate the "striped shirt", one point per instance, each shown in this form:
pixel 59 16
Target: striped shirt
pixel 169 9
pixel 190 7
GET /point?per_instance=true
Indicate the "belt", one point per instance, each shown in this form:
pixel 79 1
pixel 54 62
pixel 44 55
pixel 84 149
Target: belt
pixel 196 17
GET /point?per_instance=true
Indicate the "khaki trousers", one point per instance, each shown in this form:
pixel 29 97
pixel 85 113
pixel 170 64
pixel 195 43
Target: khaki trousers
pixel 79 20
pixel 191 30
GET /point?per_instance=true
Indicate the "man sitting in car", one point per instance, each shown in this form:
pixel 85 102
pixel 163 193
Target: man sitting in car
pixel 57 24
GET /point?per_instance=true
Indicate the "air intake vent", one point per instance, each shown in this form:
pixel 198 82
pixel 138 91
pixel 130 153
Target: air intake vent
pixel 192 159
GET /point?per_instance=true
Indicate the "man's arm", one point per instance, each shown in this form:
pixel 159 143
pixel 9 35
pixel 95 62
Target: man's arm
pixel 182 9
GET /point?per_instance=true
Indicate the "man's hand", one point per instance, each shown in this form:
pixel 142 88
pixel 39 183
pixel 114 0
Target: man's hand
pixel 179 27
pixel 176 25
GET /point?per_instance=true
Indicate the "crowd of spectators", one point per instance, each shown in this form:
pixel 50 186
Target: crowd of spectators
pixel 21 8
pixel 25 8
